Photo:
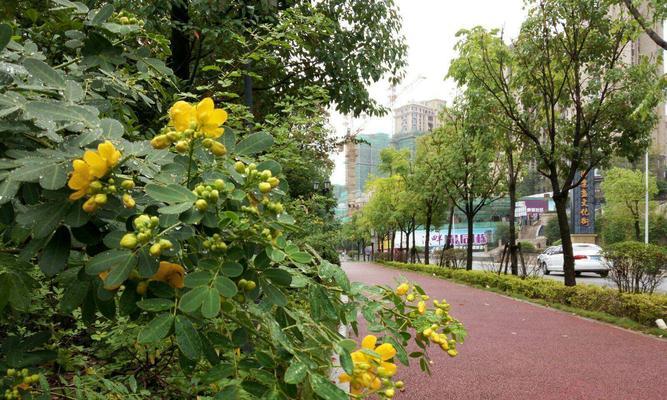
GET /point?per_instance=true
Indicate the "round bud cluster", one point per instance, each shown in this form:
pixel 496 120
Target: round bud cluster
pixel 124 18
pixel 246 285
pixel 215 243
pixel 218 149
pixel 208 194
pixel 265 179
pixel 144 226
pixel 21 382
pixel 181 140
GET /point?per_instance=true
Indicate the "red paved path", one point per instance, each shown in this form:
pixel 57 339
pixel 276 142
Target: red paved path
pixel 516 350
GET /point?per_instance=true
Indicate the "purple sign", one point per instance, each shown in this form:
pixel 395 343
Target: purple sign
pixel 460 239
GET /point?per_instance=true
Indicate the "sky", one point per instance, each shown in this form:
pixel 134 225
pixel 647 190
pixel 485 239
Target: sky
pixel 430 27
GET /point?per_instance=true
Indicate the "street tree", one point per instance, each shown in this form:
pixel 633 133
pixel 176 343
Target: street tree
pixel 382 209
pixel 624 191
pixel 567 89
pixel 512 144
pixel 468 150
pixel 427 183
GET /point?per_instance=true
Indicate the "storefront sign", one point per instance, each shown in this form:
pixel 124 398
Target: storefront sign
pixel 583 205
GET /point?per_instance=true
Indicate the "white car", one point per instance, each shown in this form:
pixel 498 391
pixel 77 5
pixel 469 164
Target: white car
pixel 587 258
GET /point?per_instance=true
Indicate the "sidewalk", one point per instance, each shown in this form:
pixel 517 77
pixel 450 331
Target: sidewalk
pixel 518 350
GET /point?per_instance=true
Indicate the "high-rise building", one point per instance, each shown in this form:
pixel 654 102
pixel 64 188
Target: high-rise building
pixel 362 161
pixel 413 120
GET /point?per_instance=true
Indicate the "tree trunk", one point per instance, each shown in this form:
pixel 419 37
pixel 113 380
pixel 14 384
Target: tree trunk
pixel 448 243
pixel 560 201
pixel 414 244
pixel 180 43
pixel 470 219
pixel 513 249
pixel 407 245
pixel 638 231
pixel 427 239
pixel 393 243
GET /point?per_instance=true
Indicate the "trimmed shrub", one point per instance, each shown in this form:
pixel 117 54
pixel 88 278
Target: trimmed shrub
pixel 528 247
pixel 636 267
pixel 455 258
pixel 641 308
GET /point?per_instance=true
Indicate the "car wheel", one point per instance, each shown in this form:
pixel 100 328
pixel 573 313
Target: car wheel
pixel 604 274
pixel 545 270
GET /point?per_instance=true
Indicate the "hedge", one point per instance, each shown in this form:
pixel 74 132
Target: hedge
pixel 641 308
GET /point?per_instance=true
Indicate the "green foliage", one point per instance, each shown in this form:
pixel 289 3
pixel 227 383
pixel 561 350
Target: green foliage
pixel 642 308
pixel 552 231
pixel 528 247
pixel 636 267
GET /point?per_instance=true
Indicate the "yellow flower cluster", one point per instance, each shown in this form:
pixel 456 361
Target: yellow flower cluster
pixel 372 368
pixel 87 172
pixel 441 310
pixel 188 121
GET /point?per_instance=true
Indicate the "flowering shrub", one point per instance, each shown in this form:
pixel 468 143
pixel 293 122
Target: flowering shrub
pixel 164 268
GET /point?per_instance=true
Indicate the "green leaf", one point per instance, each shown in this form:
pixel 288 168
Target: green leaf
pixel 231 269
pixel 54 178
pixel 295 372
pixel 5 35
pixel 170 194
pixel 254 143
pixel 8 189
pixel 157 329
pixel 198 278
pixel 225 286
pixel 146 264
pixel 219 372
pixel 187 338
pixel 211 306
pixel 120 271
pixel 192 300
pixel 273 294
pixel 44 73
pixel 55 254
pixel 175 208
pixel 278 276
pixel 57 111
pixel 111 128
pixel 271 165
pixel 107 259
pixel 346 360
pixel 286 219
pixel 73 296
pixel 102 15
pixel 155 305
pixel 325 389
pixel 301 257
pixel 275 255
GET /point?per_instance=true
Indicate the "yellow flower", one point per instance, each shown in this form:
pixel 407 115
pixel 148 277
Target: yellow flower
pixel 170 273
pixel 95 164
pixel 402 289
pixel 368 369
pixel 210 118
pixel 80 179
pixel 181 115
pixel 421 307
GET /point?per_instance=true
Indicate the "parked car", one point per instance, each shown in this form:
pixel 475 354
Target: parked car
pixel 587 258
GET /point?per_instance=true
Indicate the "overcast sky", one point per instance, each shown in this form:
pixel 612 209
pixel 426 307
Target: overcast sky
pixel 430 27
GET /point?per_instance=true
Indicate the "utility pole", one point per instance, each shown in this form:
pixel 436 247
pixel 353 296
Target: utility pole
pixel 646 199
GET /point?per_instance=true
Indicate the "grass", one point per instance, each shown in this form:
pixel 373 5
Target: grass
pixel 622 322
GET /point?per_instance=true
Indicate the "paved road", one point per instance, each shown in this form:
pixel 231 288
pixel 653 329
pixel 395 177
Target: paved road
pixel 517 350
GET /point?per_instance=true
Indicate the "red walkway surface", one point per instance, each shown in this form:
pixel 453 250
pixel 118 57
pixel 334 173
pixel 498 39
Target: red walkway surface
pixel 516 350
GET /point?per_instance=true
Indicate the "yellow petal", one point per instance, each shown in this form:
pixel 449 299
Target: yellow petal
pixel 212 133
pixel 78 181
pixel 358 357
pixel 181 114
pixel 387 369
pixel 369 342
pixel 109 153
pixel 98 166
pixel 342 378
pixel 376 384
pixel 205 106
pixel 170 273
pixel 80 166
pixel 386 351
pixel 78 194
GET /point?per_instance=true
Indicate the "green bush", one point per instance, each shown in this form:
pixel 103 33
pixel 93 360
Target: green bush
pixel 636 267
pixel 641 308
pixel 528 247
